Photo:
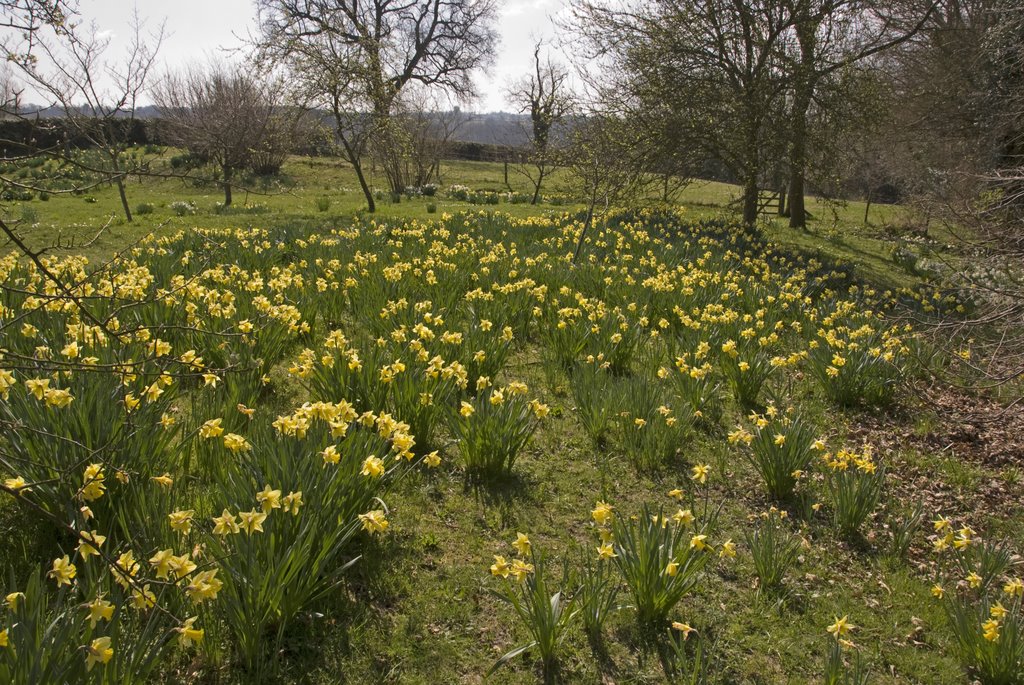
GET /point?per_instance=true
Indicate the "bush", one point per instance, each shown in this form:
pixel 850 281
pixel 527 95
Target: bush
pixel 145 208
pixel 431 208
pixel 323 203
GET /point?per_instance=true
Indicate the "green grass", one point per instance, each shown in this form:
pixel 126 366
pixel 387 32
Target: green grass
pixel 93 223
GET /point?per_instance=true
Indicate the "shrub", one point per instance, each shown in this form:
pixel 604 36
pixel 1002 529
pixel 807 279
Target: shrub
pixel 323 203
pixel 431 208
pixel 144 208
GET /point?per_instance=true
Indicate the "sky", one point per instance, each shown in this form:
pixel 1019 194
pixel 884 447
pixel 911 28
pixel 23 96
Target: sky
pixel 197 29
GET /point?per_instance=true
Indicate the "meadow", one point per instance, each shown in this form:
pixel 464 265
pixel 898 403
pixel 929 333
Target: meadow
pixel 291 442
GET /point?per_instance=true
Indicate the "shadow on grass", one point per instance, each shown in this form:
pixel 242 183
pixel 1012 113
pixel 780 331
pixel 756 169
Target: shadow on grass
pixel 500 490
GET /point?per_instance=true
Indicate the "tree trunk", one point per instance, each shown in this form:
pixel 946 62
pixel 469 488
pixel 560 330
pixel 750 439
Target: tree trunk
pixel 586 226
pixel 750 200
pixel 803 90
pixel 536 186
pixel 664 188
pixel 228 172
pixel 783 206
pixel 353 158
pixel 867 207
pixel 371 205
pixel 124 198
pixel 119 182
pixel 798 159
pixel 357 165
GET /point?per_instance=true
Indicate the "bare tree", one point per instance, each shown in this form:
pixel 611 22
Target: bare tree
pixel 225 115
pixel 545 96
pixel 428 124
pixel 717 65
pixel 604 160
pixel 26 17
pixel 829 37
pixel 97 95
pixel 355 58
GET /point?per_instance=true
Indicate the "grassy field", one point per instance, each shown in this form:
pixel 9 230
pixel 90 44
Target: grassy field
pixel 837 230
pixel 420 605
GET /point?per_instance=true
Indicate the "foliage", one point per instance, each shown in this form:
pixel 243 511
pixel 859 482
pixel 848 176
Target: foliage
pixel 855 483
pixel 661 560
pixel 780 448
pixel 773 549
pixel 546 615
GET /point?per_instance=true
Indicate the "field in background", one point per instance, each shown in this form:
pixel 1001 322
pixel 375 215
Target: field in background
pixel 307 185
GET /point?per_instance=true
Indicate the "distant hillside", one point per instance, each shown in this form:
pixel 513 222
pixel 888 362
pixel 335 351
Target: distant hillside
pixel 495 128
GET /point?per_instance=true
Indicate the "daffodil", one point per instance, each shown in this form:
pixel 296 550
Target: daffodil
pixel 840 627
pixel 252 521
pixel 374 521
pixel 99 609
pixel 602 513
pixel 188 634
pixel 63 571
pixel 500 567
pixel 373 467
pixel 98 652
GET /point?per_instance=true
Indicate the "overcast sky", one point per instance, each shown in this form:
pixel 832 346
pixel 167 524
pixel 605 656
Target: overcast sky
pixel 197 28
